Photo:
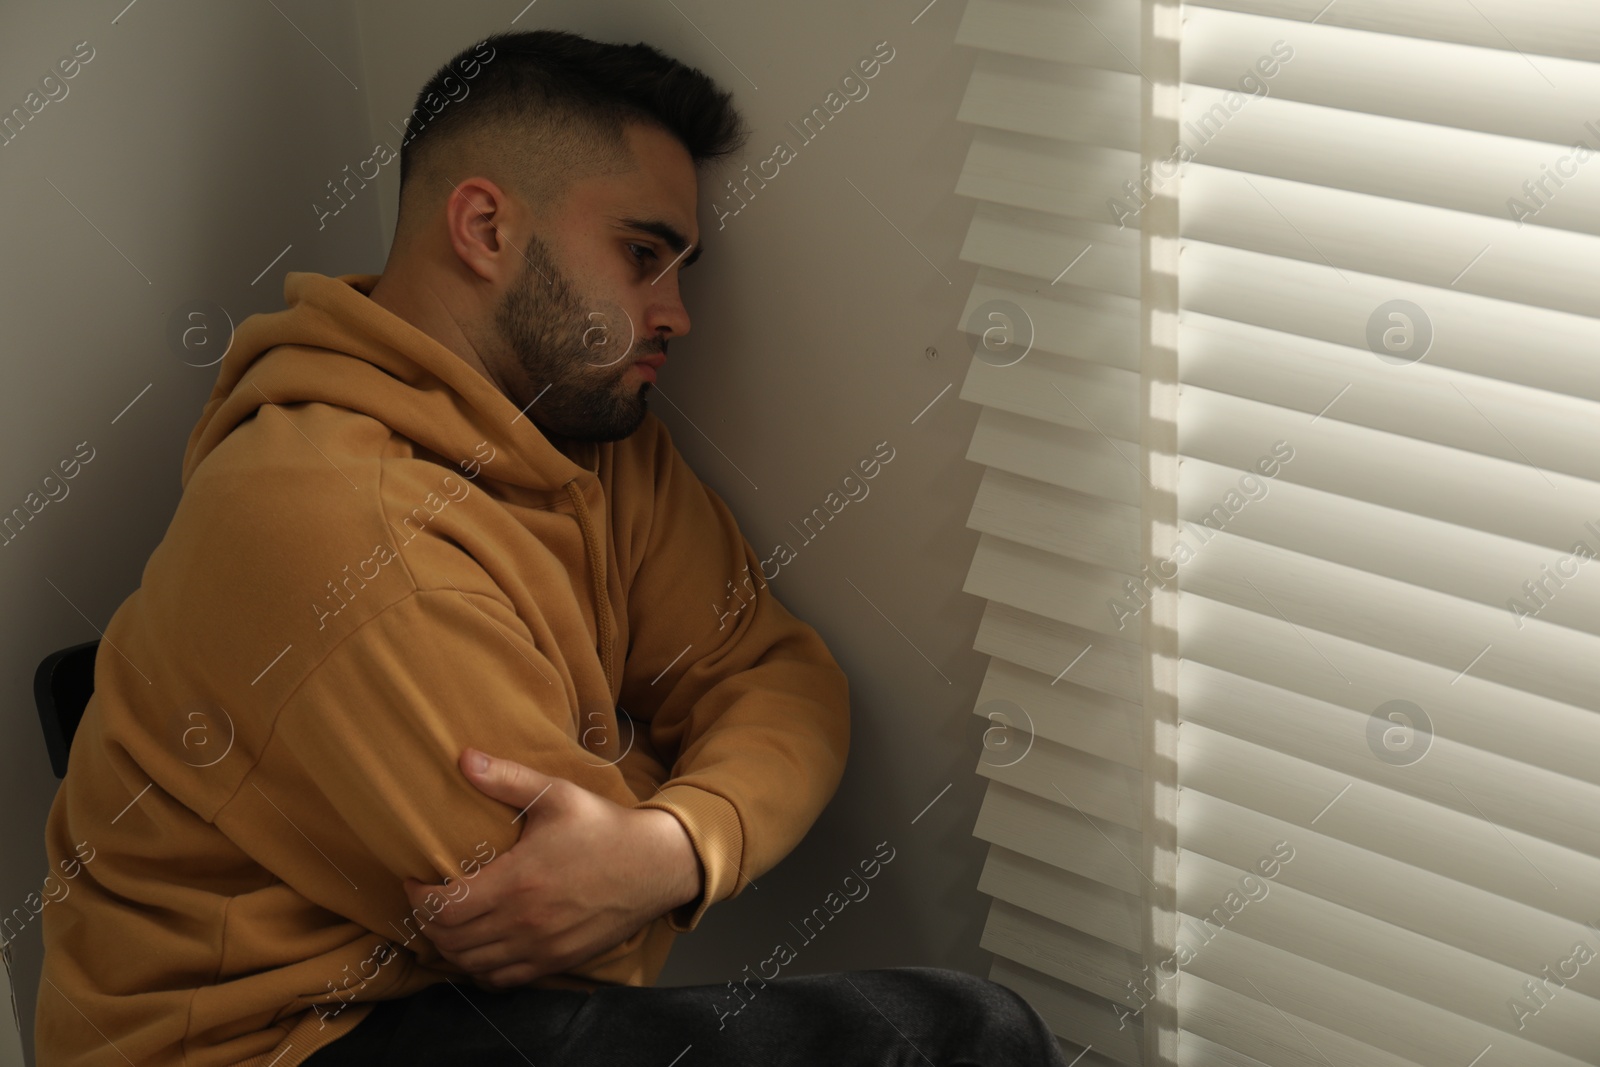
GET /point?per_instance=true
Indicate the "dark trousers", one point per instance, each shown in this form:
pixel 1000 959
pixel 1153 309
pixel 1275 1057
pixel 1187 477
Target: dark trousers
pixel 890 1017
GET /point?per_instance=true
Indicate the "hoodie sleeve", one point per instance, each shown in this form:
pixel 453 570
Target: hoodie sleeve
pixel 359 785
pixel 744 701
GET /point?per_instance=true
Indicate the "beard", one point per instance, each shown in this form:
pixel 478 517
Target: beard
pixel 565 352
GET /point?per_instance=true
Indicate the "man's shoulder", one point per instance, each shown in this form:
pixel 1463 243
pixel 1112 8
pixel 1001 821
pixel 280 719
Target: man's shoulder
pixel 282 529
pixel 282 485
pixel 296 449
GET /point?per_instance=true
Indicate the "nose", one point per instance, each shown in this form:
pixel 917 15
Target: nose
pixel 666 315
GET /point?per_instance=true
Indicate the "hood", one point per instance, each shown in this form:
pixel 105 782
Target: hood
pixel 333 345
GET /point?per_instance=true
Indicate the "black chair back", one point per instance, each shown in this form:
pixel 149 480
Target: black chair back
pixel 61 688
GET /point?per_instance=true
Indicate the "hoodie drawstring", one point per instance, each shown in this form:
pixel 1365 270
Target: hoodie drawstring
pixel 591 548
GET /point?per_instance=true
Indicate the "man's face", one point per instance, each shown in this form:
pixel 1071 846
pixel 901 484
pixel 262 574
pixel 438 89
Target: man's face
pixel 599 292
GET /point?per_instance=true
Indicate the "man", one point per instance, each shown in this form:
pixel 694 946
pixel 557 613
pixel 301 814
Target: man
pixel 418 742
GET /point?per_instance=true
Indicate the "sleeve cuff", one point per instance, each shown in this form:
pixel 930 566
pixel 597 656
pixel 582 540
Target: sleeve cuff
pixel 713 826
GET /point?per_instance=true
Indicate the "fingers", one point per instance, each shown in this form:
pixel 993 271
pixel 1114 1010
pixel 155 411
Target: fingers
pixel 506 780
pixel 484 930
pixel 459 907
pixel 486 961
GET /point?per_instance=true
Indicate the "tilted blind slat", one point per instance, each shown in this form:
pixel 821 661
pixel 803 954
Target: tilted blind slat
pixel 1434 629
pixel 1306 299
pixel 1060 711
pixel 1456 844
pixel 1038 245
pixel 1402 1026
pixel 1469 489
pixel 1095 966
pixel 1568 28
pixel 1421 400
pixel 1377 957
pixel 1075 459
pixel 1068 320
pixel 1261 645
pixel 1051 647
pixel 1043 174
pixel 1071 524
pixel 1054 101
pixel 1408 77
pixel 1093 849
pixel 1413 899
pixel 1347 233
pixel 1086 784
pixel 1081 903
pixel 1045 29
pixel 1247 1023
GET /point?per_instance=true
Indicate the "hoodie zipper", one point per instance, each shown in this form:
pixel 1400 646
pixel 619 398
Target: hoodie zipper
pixel 591 548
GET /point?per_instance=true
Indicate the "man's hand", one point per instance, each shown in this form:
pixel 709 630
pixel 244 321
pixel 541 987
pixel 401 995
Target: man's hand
pixel 585 876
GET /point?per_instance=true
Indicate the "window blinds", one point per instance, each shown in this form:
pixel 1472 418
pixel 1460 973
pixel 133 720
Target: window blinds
pixel 1385 263
pixel 1054 316
pixel 1356 680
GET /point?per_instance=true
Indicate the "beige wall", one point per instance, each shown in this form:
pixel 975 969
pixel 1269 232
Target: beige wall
pixel 197 140
pixel 192 144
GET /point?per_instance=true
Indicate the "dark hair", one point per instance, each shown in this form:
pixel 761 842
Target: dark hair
pixel 554 105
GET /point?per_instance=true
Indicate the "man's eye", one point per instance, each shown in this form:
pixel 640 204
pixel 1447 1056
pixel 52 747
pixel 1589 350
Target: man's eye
pixel 647 251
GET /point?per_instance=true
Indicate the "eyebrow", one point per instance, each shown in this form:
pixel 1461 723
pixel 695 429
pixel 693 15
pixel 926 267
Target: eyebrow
pixel 667 233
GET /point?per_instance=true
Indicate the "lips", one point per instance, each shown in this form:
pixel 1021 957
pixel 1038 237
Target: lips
pixel 655 360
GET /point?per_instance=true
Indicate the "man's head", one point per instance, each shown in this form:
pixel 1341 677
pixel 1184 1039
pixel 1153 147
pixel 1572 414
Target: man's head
pixel 547 204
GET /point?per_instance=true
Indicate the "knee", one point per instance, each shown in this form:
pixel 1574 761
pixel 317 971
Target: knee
pixel 1004 1024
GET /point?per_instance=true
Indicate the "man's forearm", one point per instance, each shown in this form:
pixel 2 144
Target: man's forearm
pixel 683 879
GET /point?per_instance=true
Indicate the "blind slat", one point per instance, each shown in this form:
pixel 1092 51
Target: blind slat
pixel 1438 632
pixel 1042 583
pixel 1059 390
pixel 1404 76
pixel 1067 320
pixel 1428 904
pixel 1246 1023
pixel 1568 28
pixel 1296 297
pixel 1461 846
pixel 1388 1021
pixel 1040 245
pixel 1353 232
pixel 1066 898
pixel 1071 524
pixel 1044 29
pixel 1080 460
pixel 1260 645
pixel 1060 711
pixel 1082 783
pixel 1378 959
pixel 1112 665
pixel 1421 401
pixel 1045 175
pixel 1070 955
pixel 1053 99
pixel 1093 849
pixel 1497 496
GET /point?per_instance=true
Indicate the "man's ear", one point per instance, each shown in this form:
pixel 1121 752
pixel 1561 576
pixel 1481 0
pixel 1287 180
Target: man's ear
pixel 481 224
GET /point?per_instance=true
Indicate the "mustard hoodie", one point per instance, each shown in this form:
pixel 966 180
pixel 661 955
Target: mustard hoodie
pixel 376 562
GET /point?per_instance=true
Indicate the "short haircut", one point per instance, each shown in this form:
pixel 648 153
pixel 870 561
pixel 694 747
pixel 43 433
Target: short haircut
pixel 536 110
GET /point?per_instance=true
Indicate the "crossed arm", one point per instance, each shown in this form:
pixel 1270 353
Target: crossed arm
pixel 584 876
pixel 754 722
